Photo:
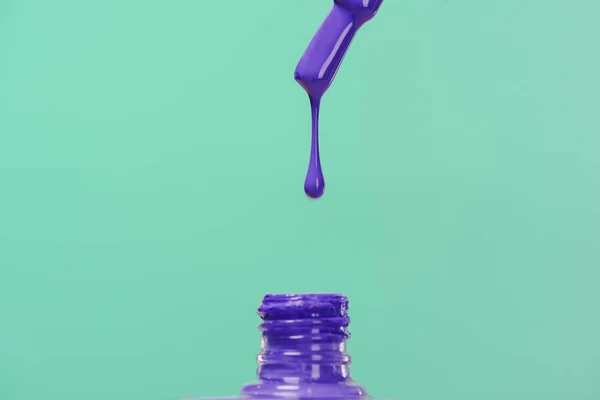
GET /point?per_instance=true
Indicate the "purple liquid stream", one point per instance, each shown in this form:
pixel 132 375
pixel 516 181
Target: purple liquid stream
pixel 318 66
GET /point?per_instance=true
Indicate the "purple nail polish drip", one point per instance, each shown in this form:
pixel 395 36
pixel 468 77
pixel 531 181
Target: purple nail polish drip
pixel 304 349
pixel 319 64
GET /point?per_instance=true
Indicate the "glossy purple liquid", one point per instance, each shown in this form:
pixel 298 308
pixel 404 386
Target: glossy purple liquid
pixel 303 353
pixel 318 66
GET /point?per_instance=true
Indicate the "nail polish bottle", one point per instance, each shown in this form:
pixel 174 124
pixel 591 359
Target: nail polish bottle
pixel 303 350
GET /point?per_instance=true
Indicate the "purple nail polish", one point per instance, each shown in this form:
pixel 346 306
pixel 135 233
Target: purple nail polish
pixel 303 351
pixel 319 64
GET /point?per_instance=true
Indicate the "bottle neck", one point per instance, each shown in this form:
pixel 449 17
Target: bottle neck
pixel 303 349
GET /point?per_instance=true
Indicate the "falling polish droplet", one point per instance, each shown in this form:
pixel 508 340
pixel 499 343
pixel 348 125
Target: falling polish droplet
pixel 314 184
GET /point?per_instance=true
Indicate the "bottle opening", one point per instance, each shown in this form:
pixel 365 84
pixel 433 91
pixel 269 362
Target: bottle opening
pixel 303 306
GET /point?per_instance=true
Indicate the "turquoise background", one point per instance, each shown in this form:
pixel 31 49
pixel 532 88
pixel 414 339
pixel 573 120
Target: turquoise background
pixel 152 155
